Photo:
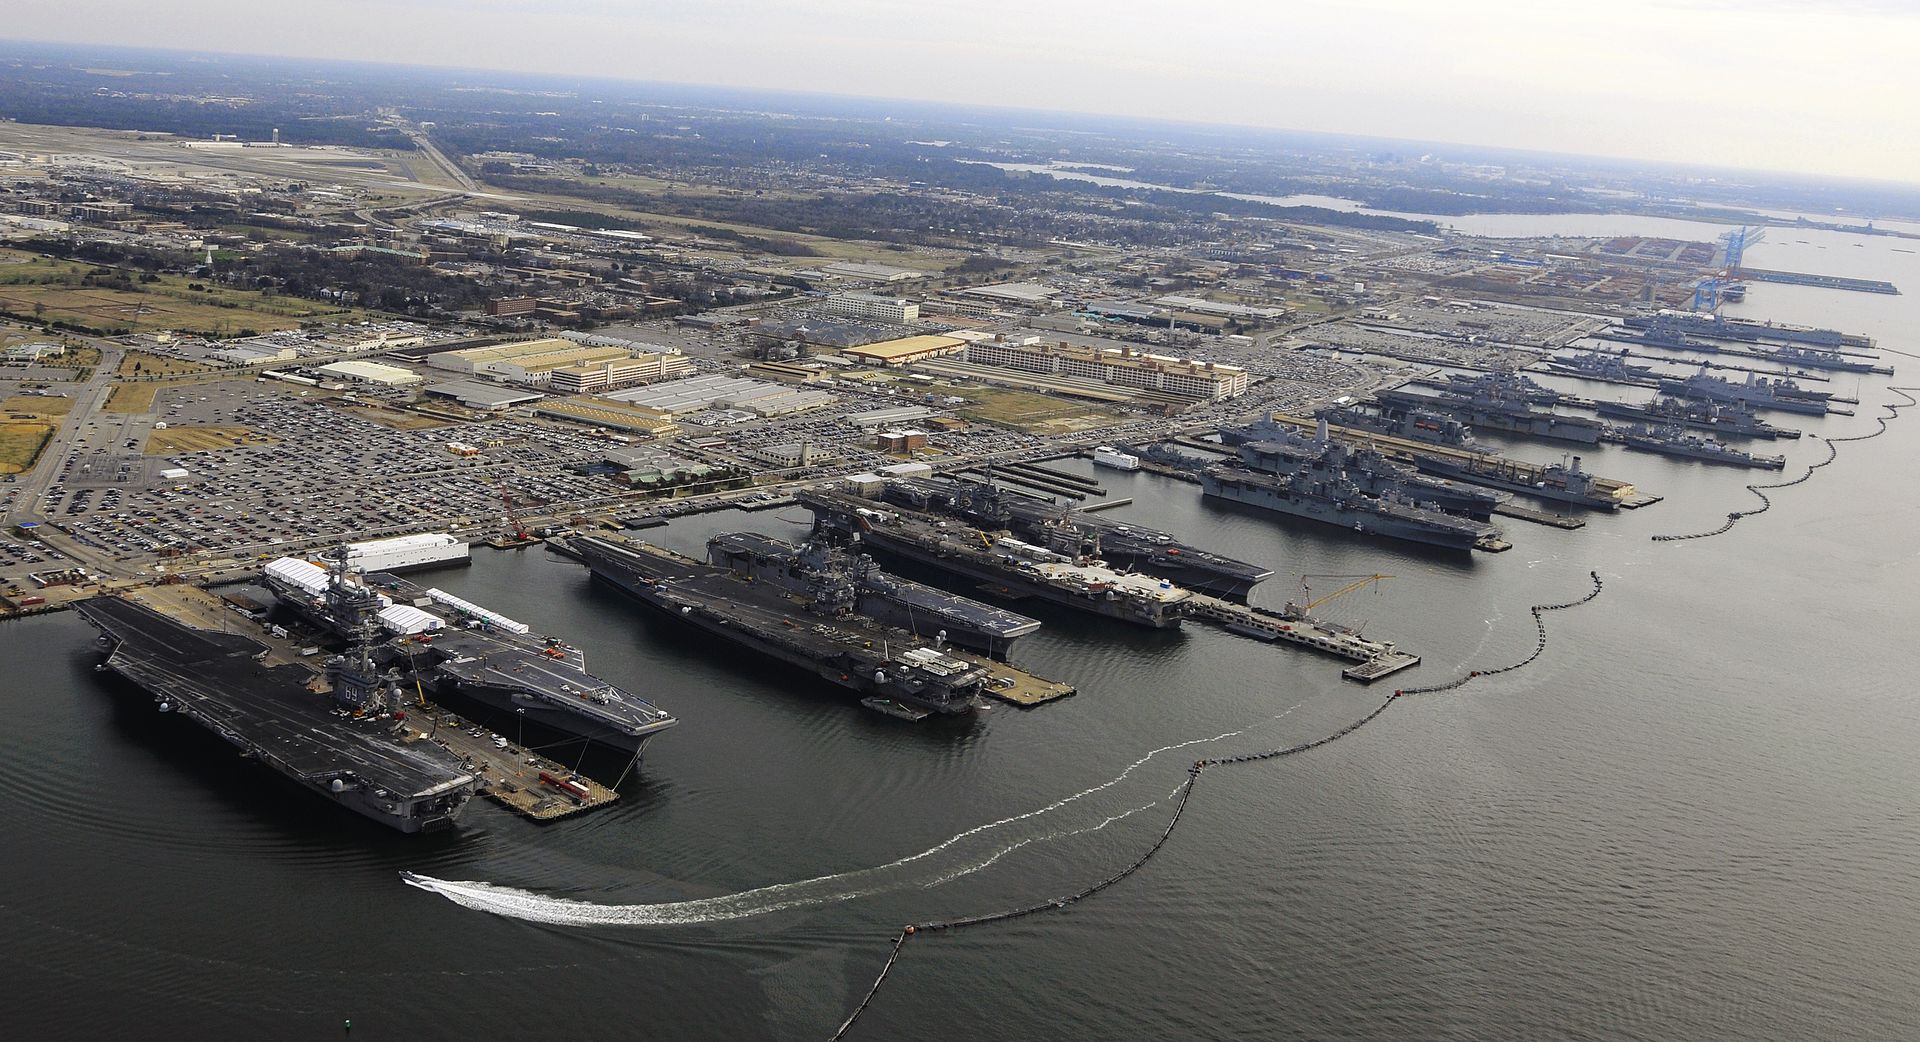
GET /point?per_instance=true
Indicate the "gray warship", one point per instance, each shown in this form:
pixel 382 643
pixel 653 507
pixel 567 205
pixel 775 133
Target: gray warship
pixel 1334 500
pixel 896 671
pixel 452 644
pixel 1674 440
pixel 1721 418
pixel 1758 391
pixel 346 741
pixel 1290 453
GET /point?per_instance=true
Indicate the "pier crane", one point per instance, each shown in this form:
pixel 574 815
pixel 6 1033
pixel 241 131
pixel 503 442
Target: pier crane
pixel 1305 610
pixel 513 529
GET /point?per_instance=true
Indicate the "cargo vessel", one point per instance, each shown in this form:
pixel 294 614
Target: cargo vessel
pixel 886 666
pixel 1674 440
pixel 332 737
pixel 450 643
pixel 1720 418
pixel 842 582
pixel 1123 546
pixel 1291 453
pixel 1014 566
pixel 1330 499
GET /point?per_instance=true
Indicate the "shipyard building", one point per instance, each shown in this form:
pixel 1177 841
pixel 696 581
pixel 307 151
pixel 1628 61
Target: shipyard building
pixel 1123 367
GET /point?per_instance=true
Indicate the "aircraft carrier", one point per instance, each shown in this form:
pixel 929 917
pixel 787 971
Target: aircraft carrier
pixel 332 739
pixel 1019 568
pixel 841 582
pixel 1123 546
pixel 450 643
pixel 1291 453
pixel 898 671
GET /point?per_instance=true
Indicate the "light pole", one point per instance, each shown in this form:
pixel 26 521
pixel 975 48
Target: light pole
pixel 521 733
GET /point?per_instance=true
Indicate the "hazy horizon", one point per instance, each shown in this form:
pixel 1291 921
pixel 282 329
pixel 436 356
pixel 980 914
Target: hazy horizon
pixel 1663 81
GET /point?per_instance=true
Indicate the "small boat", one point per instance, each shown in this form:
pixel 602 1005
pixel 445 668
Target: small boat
pixel 1108 456
pixel 894 709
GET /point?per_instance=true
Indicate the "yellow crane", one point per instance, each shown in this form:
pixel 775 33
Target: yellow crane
pixel 1357 582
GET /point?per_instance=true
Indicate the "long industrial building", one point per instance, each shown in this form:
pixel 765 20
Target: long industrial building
pixel 1123 367
pixel 699 393
pixel 526 362
pixel 620 372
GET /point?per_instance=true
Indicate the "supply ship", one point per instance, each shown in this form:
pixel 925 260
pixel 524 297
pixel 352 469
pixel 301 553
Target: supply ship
pixel 1334 500
pixel 1290 453
pixel 338 736
pixel 1721 418
pixel 1673 440
pixel 897 671
pixel 1075 580
pixel 450 643
pixel 840 582
pixel 1126 547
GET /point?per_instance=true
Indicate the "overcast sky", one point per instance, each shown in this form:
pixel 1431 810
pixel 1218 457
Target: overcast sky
pixel 1828 86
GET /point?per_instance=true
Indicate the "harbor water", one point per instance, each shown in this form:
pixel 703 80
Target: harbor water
pixel 1693 817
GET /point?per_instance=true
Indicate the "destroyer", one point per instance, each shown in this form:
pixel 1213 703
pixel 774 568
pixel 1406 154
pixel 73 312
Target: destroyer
pixel 888 666
pixel 1290 453
pixel 1721 418
pixel 449 642
pixel 337 740
pixel 1123 546
pixel 1397 422
pixel 1331 499
pixel 1758 391
pixel 1556 482
pixel 1673 440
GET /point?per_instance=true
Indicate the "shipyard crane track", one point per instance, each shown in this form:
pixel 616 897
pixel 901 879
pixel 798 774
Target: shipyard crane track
pixel 1183 796
pixel 1833 453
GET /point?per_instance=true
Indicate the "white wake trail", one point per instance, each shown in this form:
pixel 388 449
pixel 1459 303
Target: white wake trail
pixel 528 905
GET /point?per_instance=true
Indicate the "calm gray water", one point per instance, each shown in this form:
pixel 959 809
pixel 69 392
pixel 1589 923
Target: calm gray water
pixel 1693 818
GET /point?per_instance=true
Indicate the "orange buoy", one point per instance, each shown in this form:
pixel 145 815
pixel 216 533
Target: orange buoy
pixel 908 931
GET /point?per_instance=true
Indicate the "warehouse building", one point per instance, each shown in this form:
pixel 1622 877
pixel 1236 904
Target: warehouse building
pixel 479 394
pixel 357 371
pixel 701 393
pixel 528 361
pixel 906 350
pixel 610 414
pixel 1123 367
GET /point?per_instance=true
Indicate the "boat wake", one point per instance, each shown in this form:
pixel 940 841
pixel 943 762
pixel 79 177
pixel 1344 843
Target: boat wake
pixel 925 869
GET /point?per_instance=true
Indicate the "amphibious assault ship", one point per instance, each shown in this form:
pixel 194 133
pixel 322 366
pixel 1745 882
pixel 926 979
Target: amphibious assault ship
pixel 1394 421
pixel 1721 418
pixel 1022 569
pixel 450 643
pixel 1122 546
pixel 1674 440
pixel 838 581
pixel 898 671
pixel 340 737
pixel 1290 453
pixel 1334 500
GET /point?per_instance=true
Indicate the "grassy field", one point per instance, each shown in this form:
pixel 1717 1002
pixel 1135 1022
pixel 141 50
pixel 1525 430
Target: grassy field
pixel 140 363
pixel 38 404
pixel 20 444
pixel 1033 413
pixel 194 439
pixel 45 289
pixel 129 398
